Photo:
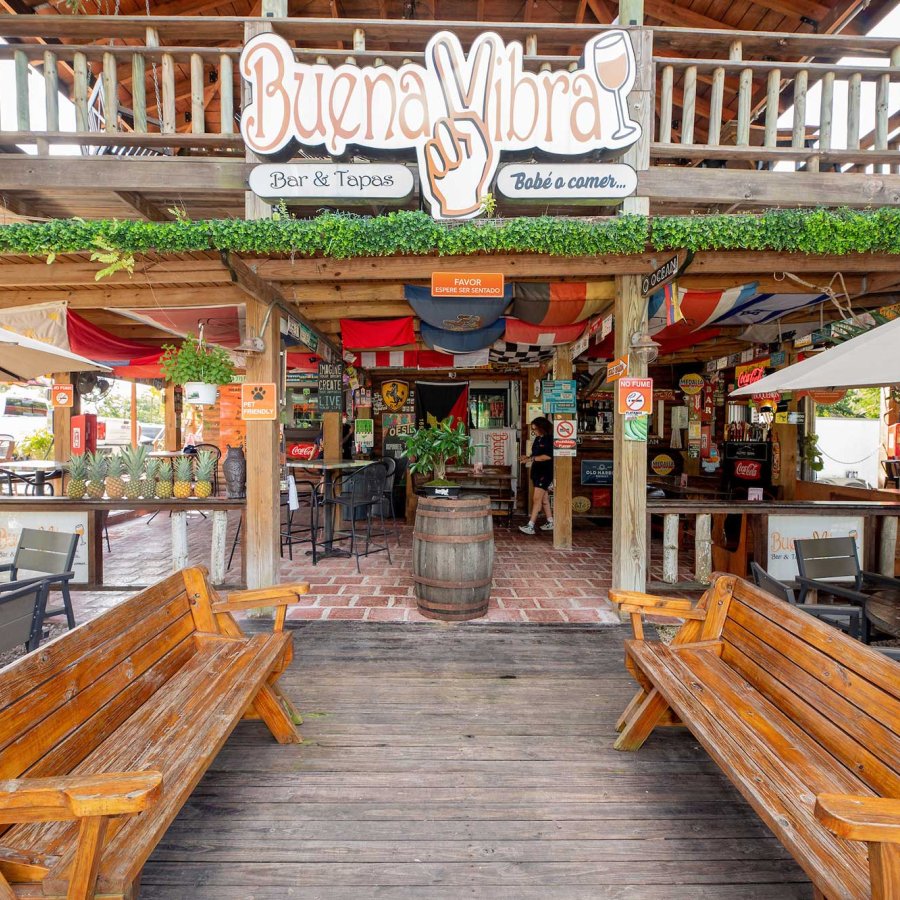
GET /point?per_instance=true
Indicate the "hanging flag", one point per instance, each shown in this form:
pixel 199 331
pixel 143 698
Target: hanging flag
pixel 672 302
pixel 509 354
pixel 456 314
pixel 436 400
pixel 432 359
pixel 461 341
pixel 43 322
pixel 763 307
pixel 561 303
pixel 699 309
pixel 420 359
pixel 371 334
pixel 521 332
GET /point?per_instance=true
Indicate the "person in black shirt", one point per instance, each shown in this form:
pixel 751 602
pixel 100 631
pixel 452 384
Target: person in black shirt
pixel 541 460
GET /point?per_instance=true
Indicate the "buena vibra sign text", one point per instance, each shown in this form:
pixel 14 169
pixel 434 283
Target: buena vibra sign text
pixel 457 112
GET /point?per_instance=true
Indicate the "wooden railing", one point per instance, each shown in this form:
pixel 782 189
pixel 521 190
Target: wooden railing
pixel 169 83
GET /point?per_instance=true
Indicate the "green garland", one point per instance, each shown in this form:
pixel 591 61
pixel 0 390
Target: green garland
pixel 342 236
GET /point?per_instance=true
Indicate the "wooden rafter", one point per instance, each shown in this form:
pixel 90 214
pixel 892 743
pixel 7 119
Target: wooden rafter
pixel 809 9
pixel 139 202
pixel 681 17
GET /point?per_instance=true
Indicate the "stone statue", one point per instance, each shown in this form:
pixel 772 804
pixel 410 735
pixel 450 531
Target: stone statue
pixel 234 468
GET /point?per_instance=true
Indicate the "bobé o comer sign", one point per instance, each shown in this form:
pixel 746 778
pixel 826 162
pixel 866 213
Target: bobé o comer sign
pixel 458 112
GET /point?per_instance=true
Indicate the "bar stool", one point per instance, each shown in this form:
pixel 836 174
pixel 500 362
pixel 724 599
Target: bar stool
pixel 302 522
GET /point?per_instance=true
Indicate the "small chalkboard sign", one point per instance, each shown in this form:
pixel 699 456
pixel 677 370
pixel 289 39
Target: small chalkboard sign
pixel 331 387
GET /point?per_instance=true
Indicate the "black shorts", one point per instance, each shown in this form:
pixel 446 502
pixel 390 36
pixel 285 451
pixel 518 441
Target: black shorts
pixel 542 481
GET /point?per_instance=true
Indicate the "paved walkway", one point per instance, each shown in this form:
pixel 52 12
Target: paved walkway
pixel 464 762
pixel 533 583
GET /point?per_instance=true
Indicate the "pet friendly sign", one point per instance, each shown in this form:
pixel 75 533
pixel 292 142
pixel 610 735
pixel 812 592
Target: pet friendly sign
pixel 458 113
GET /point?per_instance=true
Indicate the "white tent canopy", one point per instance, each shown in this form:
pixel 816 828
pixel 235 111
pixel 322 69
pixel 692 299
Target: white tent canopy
pixel 870 360
pixel 22 358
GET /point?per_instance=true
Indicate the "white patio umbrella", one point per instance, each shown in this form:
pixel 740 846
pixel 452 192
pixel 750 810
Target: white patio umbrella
pixel 22 358
pixel 870 360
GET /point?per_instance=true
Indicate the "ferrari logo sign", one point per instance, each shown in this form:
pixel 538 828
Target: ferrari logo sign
pixel 395 394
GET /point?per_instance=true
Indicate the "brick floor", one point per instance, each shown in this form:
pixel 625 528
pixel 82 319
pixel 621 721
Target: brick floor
pixel 533 583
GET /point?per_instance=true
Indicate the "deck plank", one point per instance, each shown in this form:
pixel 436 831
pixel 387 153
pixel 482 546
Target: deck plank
pixel 468 762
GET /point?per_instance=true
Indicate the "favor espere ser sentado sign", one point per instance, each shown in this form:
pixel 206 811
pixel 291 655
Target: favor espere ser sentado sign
pixel 458 112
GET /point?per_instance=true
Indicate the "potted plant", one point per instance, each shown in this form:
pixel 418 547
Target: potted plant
pixel 198 367
pixel 429 449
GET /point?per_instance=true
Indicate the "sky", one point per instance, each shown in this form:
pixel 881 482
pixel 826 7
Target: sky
pixel 888 27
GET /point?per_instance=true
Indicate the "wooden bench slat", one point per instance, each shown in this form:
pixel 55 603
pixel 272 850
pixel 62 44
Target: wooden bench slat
pixel 826 685
pixel 162 629
pixel 36 668
pixel 756 772
pixel 23 752
pixel 862 743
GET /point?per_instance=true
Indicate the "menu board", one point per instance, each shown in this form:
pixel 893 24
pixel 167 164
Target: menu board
pixel 331 387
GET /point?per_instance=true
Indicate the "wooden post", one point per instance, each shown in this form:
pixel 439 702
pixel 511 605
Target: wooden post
pixel 134 415
pixel 261 518
pixel 562 466
pixel 219 546
pixel 62 420
pixel 703 548
pixel 670 548
pixel 171 420
pixel 887 549
pixel 51 91
pixel 80 92
pixel 629 552
pixel 179 541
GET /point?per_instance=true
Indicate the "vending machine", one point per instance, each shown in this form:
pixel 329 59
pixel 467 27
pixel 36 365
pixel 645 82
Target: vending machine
pixel 84 434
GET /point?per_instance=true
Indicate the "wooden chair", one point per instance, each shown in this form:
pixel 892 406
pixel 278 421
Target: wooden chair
pixel 20 623
pixel 106 731
pixel 804 721
pixel 847 618
pixel 50 554
pixel 831 566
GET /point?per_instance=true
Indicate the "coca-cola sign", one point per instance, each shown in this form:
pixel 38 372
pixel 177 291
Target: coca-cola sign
pixel 750 375
pixel 304 451
pixel 749 470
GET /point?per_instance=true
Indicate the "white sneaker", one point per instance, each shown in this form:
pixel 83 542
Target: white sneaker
pixel 547 526
pixel 527 529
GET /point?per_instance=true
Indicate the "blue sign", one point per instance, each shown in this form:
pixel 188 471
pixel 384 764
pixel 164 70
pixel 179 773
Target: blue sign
pixel 596 472
pixel 560 397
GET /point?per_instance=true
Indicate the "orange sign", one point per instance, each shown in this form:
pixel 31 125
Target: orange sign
pixel 259 402
pixel 635 395
pixel 232 430
pixel 466 284
pixel 617 368
pixel 62 395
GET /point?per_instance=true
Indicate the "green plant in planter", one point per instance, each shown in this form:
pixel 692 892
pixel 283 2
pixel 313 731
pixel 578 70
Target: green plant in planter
pixel 430 448
pixel 812 455
pixel 196 361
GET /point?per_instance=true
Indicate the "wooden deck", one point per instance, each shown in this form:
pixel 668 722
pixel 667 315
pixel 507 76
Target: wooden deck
pixel 454 762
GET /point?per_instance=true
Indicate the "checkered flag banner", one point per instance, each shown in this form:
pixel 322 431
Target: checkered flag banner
pixel 505 353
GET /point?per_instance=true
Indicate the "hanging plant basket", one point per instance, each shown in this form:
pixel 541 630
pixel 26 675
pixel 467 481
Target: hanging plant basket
pixel 200 393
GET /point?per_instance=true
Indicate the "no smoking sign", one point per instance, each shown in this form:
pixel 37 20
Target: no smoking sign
pixel 565 437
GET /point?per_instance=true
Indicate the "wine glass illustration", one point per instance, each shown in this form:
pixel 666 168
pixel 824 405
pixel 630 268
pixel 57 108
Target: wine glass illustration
pixel 612 62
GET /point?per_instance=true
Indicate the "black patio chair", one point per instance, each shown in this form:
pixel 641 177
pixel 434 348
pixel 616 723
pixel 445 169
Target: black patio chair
pixel 831 566
pixel 359 496
pixel 13 480
pixel 390 465
pixel 21 606
pixel 848 618
pixel 299 526
pixel 50 554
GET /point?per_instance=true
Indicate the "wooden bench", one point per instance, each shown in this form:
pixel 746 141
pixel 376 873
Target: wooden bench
pixel 105 731
pixel 803 719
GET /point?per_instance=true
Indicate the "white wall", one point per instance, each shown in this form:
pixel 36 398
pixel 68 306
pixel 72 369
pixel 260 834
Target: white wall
pixel 849 445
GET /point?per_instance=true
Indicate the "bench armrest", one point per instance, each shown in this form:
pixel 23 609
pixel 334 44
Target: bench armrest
pixel 77 796
pixel 279 595
pixel 836 590
pixel 873 819
pixel 637 605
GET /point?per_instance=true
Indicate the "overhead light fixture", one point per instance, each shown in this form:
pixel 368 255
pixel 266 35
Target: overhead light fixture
pixel 644 349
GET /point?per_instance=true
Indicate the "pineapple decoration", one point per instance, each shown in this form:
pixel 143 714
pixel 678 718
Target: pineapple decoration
pixel 164 480
pixel 96 486
pixel 206 464
pixel 78 471
pixel 115 485
pixel 182 487
pixel 150 473
pixel 135 459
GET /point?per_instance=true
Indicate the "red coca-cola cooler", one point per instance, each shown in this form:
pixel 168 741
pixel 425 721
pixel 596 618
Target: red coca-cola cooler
pixel 83 434
pixel 747 464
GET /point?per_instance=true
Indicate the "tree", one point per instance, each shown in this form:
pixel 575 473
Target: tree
pixel 864 403
pixel 118 406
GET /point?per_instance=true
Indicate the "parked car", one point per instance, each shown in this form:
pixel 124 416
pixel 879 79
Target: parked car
pixel 149 433
pixel 23 414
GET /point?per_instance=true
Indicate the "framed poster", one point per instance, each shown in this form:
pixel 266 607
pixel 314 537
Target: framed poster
pixel 784 530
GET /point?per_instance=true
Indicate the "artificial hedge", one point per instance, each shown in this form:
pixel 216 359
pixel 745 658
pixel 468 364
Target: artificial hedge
pixel 342 236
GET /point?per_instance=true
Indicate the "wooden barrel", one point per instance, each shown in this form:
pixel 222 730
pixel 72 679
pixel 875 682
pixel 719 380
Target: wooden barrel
pixel 453 557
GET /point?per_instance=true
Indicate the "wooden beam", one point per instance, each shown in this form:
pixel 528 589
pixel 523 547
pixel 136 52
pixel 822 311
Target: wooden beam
pixel 126 296
pixel 150 211
pixel 269 295
pixel 601 11
pixel 146 273
pixel 680 16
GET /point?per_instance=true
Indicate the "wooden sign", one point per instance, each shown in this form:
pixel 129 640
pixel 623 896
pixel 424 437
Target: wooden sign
pixel 636 395
pixel 660 276
pixel 62 396
pixel 259 402
pixel 617 368
pixel 467 284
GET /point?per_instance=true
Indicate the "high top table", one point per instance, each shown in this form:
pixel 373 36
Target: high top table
pixel 43 471
pixel 327 468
